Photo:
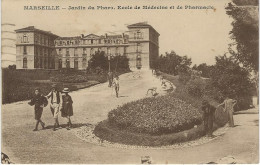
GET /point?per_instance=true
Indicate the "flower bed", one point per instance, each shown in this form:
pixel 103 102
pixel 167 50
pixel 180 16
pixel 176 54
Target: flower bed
pixel 160 115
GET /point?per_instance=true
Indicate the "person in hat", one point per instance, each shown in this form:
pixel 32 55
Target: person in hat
pixel 39 101
pixel 208 117
pixel 56 104
pixel 67 109
pixel 229 107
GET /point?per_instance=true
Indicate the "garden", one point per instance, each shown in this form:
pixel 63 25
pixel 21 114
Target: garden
pixel 159 121
pixel 177 116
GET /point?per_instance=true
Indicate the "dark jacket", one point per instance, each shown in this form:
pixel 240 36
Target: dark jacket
pixel 38 101
pixel 67 109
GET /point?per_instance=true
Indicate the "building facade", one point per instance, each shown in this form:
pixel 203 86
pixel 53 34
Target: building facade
pixel 140 44
pixel 35 49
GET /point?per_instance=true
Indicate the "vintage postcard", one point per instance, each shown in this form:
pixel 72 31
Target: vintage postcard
pixel 130 82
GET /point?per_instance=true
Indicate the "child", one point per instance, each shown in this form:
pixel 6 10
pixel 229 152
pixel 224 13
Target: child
pixel 39 101
pixel 67 109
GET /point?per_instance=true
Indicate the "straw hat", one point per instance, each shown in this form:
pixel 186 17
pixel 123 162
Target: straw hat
pixel 66 90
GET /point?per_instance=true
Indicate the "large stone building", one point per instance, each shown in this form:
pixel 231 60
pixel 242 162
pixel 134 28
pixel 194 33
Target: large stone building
pixel 140 44
pixel 35 49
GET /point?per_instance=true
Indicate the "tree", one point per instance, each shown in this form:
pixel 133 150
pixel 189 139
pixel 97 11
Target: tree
pixel 173 63
pixel 204 68
pixel 229 79
pixel 100 62
pixel 245 32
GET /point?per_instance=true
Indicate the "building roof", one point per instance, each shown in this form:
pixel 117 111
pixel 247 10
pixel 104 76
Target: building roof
pixel 33 29
pixel 141 25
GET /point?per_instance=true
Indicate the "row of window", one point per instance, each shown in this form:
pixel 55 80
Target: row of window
pixel 91 50
pixel 40 63
pixel 76 63
pixel 39 39
pixel 38 50
pixel 90 42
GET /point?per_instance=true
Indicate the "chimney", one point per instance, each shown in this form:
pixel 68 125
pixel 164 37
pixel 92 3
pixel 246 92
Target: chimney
pixel 106 35
pixel 82 35
pixel 123 34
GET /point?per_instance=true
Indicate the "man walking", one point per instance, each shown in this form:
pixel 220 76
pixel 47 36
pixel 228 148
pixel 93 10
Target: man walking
pixel 56 104
pixel 116 84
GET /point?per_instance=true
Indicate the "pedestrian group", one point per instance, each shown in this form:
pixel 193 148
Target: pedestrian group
pixel 58 102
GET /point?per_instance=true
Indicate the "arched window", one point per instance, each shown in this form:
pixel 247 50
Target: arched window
pixel 24 62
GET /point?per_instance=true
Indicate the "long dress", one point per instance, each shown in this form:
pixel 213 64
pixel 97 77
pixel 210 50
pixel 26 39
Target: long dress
pixel 67 109
pixel 229 105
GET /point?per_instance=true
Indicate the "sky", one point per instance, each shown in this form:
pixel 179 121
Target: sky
pixel 199 34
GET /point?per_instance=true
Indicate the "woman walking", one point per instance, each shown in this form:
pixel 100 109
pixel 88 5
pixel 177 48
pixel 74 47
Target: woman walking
pixel 229 107
pixel 67 109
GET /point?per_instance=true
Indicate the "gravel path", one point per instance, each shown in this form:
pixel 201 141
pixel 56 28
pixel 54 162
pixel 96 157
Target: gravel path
pixel 86 133
pixel 92 105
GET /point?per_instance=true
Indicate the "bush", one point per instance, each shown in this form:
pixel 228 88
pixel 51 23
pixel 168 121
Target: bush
pixel 184 77
pixel 160 115
pixel 69 78
pixel 195 87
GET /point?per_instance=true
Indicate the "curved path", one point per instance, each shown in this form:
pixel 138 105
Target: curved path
pixel 91 105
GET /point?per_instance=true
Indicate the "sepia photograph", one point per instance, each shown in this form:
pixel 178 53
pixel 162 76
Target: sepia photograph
pixel 130 82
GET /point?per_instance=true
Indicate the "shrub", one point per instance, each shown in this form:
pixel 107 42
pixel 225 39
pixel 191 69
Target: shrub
pixel 160 115
pixel 69 78
pixel 195 87
pixel 184 77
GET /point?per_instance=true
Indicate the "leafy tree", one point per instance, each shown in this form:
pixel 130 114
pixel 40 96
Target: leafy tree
pixel 100 62
pixel 204 68
pixel 229 79
pixel 173 63
pixel 245 32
